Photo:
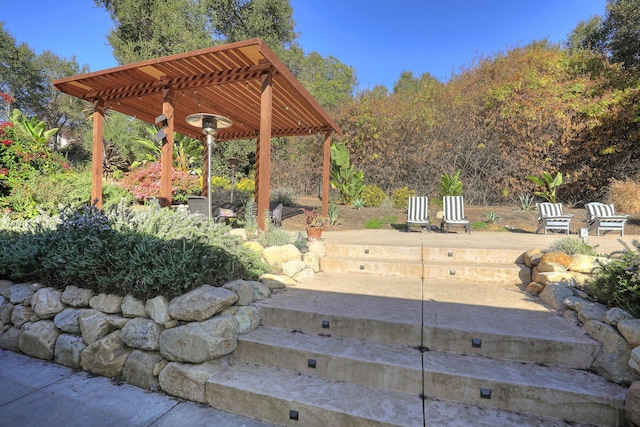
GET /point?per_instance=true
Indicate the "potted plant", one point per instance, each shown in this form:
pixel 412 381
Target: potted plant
pixel 314 224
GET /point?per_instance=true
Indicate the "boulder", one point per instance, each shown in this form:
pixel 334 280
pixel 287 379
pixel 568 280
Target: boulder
pixel 107 303
pixel 305 274
pixel 10 339
pixel 6 311
pixel 291 268
pixel 317 248
pixel 133 307
pixel 117 321
pixel 312 261
pixel 142 334
pixel 564 277
pixel 138 369
pixel 532 257
pixel 634 361
pixel 22 314
pixel 38 339
pixel 275 256
pixel 76 297
pixel 201 303
pixel 18 294
pixel 108 356
pixel 243 289
pixel 534 288
pixel 199 342
pixel 276 281
pixel 46 302
pixel 158 309
pixel 573 302
pixel 632 403
pixel 68 320
pixel 614 315
pixel 613 360
pixel 68 350
pixel 554 262
pixel 585 263
pixel 4 285
pixel 94 325
pixel 260 290
pixel 186 381
pixel 248 317
pixel 554 294
pixel 591 311
pixel 630 330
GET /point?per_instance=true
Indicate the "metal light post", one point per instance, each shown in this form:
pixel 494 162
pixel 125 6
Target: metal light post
pixel 209 123
pixel 234 163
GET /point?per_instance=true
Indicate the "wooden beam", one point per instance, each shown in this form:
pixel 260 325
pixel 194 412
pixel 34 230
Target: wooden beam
pixel 166 160
pixel 263 150
pixel 326 165
pixel 97 152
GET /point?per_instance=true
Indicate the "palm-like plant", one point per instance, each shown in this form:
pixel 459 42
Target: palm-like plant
pixel 549 185
pixel 450 185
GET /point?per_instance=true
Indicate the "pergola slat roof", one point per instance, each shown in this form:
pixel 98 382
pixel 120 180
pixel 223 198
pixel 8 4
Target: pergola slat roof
pixel 224 80
pixel 244 81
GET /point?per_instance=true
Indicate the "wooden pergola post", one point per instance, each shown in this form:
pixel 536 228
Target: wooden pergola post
pixel 166 162
pixel 326 164
pixel 97 152
pixel 263 149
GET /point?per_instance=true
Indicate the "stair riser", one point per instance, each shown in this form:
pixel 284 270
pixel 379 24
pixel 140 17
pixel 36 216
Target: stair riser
pixel 532 400
pixel 402 253
pixel 515 274
pixel 532 350
pixel 388 332
pixel 277 411
pixel 398 378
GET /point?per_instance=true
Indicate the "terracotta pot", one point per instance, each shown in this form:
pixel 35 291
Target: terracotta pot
pixel 313 234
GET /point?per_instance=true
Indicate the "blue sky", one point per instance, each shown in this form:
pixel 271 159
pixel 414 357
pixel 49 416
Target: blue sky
pixel 379 39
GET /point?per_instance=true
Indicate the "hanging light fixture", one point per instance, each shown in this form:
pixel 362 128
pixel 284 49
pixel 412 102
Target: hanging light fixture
pixel 209 123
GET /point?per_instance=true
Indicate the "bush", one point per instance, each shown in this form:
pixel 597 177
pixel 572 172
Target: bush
pixel 401 196
pixel 282 195
pixel 625 195
pixel 617 283
pixel 373 196
pixel 144 182
pixel 572 246
pixel 142 252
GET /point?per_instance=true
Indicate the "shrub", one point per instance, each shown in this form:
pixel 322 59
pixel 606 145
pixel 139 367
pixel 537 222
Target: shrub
pixel 282 195
pixel 572 246
pixel 617 283
pixel 401 196
pixel 376 223
pixel 220 181
pixel 450 185
pixel 625 195
pixel 246 185
pixel 144 182
pixel 142 252
pixel 373 196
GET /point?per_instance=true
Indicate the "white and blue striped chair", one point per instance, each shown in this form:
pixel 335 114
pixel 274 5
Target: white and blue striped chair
pixel 418 213
pixel 550 217
pixel 454 213
pixel 601 216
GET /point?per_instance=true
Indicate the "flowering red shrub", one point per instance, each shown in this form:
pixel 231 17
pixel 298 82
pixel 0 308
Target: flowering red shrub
pixel 144 182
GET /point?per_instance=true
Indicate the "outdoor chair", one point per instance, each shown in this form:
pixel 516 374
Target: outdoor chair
pixel 550 217
pixel 226 212
pixel 417 212
pixel 197 204
pixel 276 216
pixel 601 216
pixel 454 213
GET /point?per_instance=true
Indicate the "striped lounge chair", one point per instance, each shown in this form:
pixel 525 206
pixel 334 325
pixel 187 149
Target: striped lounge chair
pixel 454 213
pixel 550 217
pixel 417 212
pixel 601 216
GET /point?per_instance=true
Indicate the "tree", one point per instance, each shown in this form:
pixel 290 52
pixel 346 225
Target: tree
pixel 622 29
pixel 588 35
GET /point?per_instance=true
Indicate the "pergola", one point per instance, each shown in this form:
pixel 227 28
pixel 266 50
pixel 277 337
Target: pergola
pixel 244 81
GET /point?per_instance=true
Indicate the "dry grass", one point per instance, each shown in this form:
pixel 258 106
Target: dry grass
pixel 625 195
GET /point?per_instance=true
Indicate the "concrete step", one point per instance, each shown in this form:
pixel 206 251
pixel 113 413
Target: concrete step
pixel 511 273
pixel 289 398
pixel 515 334
pixel 555 392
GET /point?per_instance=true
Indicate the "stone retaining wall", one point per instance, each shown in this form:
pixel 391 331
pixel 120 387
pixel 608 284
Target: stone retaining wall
pixel 558 279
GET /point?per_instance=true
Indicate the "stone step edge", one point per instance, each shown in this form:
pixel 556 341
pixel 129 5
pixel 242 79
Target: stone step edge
pixel 427 263
pixel 286 397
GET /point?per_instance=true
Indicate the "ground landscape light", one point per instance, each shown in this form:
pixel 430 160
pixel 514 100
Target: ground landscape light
pixel 209 123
